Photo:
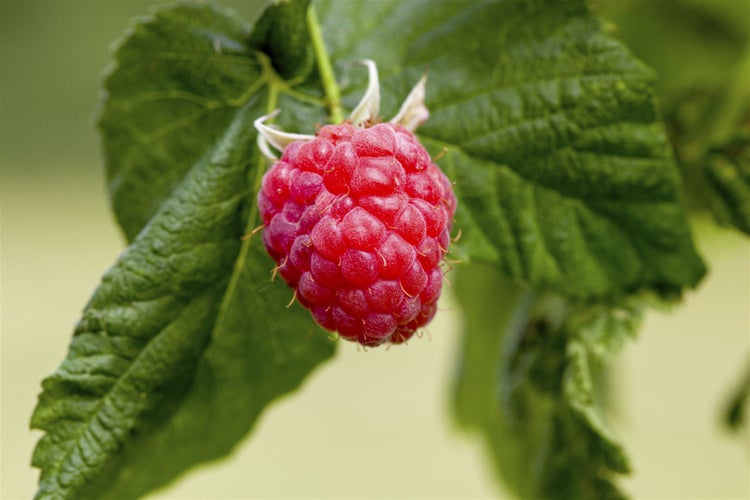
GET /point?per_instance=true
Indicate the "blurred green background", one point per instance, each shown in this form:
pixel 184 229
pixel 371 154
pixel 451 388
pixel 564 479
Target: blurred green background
pixel 368 424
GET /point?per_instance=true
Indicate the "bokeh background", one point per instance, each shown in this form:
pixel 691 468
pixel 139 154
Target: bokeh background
pixel 367 424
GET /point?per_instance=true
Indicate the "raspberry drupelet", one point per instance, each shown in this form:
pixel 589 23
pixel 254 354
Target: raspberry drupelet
pixel 358 220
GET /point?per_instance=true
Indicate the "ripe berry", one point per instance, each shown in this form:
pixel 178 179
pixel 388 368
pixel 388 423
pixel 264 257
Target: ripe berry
pixel 358 220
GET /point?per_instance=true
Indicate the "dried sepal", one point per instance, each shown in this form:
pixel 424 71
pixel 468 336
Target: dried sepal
pixel 413 112
pixel 368 108
pixel 411 115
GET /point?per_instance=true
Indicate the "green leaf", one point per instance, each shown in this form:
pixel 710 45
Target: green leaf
pixel 187 338
pixel 711 130
pixel 144 329
pixel 565 182
pixel 527 386
pixel 177 79
pixel 488 300
pixel 282 34
pixel 727 172
pixel 562 168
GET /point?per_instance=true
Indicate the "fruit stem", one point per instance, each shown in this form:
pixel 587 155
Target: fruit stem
pixel 325 68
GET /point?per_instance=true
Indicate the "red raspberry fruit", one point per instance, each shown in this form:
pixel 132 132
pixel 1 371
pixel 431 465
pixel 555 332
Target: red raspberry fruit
pixel 358 221
pixel 358 218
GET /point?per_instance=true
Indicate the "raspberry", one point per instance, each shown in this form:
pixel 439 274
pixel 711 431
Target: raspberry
pixel 358 221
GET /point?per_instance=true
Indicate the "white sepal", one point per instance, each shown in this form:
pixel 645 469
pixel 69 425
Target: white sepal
pixel 265 148
pixel 413 112
pixel 368 108
pixel 268 134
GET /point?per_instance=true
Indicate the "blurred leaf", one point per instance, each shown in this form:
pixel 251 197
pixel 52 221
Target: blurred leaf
pixel 183 344
pixel 563 171
pixel 736 414
pixel 706 102
pixel 710 128
pixel 712 141
pixel 527 386
pixel 488 300
pixel 690 43
pixel 727 171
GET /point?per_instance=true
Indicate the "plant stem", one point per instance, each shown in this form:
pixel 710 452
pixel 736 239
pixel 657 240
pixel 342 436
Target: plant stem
pixel 330 87
pixel 272 80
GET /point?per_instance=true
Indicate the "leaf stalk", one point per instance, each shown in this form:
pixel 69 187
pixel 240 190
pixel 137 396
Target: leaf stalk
pixel 330 87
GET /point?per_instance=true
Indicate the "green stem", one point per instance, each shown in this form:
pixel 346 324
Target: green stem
pixel 272 80
pixel 325 68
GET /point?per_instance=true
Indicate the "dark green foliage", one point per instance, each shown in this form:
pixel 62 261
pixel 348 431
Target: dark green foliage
pixel 177 80
pixel 527 385
pixel 727 172
pixel 563 170
pixel 187 339
pixel 567 191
